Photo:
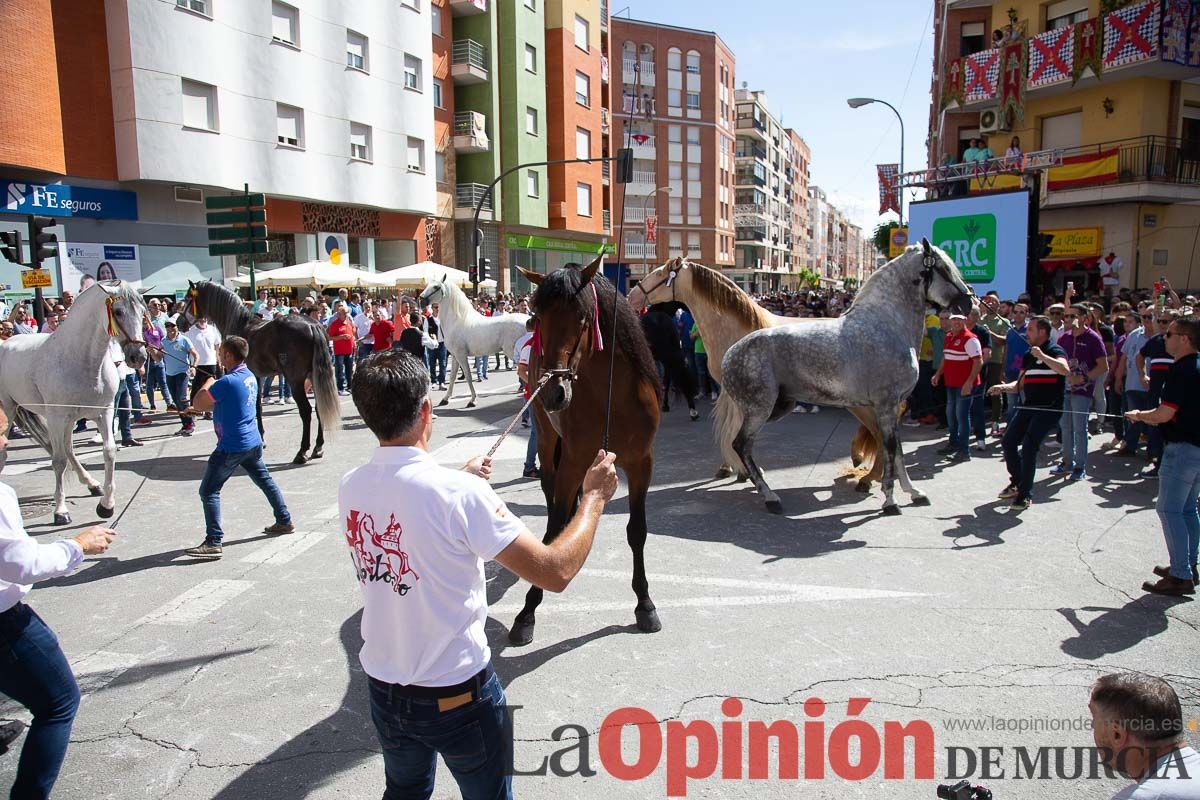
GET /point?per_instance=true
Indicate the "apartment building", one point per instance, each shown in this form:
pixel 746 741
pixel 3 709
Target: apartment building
pixel 763 210
pixel 1125 118
pixel 798 158
pixel 677 111
pixel 326 113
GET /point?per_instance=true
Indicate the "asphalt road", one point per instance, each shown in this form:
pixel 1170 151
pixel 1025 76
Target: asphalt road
pixel 240 678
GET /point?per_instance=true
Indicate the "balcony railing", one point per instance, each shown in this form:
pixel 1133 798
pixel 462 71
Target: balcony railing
pixel 604 68
pixel 643 176
pixel 636 214
pixel 639 251
pixel 750 208
pixel 466 196
pixel 607 219
pixel 749 179
pixel 752 152
pixel 751 235
pixel 1146 158
pixel 748 121
pixel 606 172
pixel 466 8
pixel 469 62
pixel 470 134
pixel 603 15
pixel 629 74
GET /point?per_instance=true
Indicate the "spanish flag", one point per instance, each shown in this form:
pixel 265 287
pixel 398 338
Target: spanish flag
pixel 1090 169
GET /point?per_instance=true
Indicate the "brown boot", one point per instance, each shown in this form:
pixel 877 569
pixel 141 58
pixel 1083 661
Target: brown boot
pixel 280 528
pixel 1172 587
pixel 1165 572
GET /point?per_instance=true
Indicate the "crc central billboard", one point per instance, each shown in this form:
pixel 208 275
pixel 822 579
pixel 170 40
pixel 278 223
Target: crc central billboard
pixel 986 236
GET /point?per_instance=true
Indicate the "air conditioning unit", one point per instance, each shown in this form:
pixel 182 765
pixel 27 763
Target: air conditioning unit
pixel 992 120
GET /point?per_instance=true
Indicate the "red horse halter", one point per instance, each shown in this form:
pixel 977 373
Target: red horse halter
pixel 571 371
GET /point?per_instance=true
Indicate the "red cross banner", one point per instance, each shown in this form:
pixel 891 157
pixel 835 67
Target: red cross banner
pixel 952 83
pixel 651 229
pixel 1173 43
pixel 889 195
pixel 1131 34
pixel 1012 80
pixel 1089 40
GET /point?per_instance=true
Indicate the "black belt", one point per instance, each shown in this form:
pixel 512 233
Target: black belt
pixel 472 685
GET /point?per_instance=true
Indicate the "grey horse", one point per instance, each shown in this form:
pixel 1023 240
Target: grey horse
pixel 866 357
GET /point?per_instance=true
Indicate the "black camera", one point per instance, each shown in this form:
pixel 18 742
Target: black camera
pixel 963 791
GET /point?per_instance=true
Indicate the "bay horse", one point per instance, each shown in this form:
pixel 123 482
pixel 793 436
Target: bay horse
pixel 48 381
pixel 294 345
pixel 865 358
pixel 574 309
pixel 724 314
pixel 663 338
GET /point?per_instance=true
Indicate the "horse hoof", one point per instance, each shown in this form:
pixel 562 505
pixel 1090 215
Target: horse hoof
pixel 921 500
pixel 742 478
pixel 774 506
pixel 443 403
pixel 891 511
pixel 471 404
pixel 103 512
pixel 317 454
pixel 863 486
pixel 95 491
pixel 300 459
pixel 647 621
pixel 724 472
pixel 62 519
pixel 521 634
pixel 856 461
pixel 695 416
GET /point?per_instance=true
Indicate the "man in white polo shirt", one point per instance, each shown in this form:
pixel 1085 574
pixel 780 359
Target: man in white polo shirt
pixel 418 535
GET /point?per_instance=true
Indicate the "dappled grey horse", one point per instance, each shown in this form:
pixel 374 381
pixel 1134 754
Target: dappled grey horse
pixel 866 357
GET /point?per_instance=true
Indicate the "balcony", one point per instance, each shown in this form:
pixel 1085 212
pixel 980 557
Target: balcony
pixel 751 234
pixel 754 151
pixel 470 134
pixel 469 63
pixel 642 106
pixel 642 184
pixel 606 172
pixel 748 210
pixel 604 69
pixel 603 15
pixel 1130 38
pixel 637 251
pixel 629 72
pixel 605 126
pixel 749 179
pixel 1144 169
pixel 466 196
pixel 607 221
pixel 752 126
pixel 636 214
pixel 468 8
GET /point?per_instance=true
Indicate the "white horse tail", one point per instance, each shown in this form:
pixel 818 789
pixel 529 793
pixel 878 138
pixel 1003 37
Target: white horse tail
pixel 727 424
pixel 35 426
pixel 329 409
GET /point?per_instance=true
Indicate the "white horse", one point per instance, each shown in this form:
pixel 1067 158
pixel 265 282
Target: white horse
pixel 48 381
pixel 469 333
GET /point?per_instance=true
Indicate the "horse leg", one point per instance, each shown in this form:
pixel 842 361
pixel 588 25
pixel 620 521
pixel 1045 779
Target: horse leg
pixel 891 448
pixel 319 447
pixel 93 486
pixel 60 443
pixel 635 533
pixel 743 445
pixel 107 505
pixel 865 443
pixel 471 386
pixel 453 379
pixel 919 498
pixel 305 409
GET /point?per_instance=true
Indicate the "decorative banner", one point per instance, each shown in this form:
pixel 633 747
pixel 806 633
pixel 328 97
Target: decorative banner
pixel 1193 59
pixel 1075 242
pixel 981 74
pixel 334 248
pixel 1131 34
pixel 889 197
pixel 63 200
pixel 1051 55
pixel 643 139
pixel 651 229
pixel 100 261
pixel 1176 18
pixel 1089 169
pixel 1088 43
pixel 952 83
pixel 1012 80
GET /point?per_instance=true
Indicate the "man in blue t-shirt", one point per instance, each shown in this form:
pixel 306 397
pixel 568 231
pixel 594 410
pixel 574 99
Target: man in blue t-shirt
pixel 233 402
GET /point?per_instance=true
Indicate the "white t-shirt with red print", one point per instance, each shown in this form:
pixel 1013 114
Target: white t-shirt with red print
pixel 418 535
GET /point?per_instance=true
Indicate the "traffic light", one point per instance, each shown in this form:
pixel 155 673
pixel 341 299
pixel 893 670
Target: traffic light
pixel 473 273
pixel 11 247
pixel 1044 242
pixel 625 165
pixel 42 244
pixel 485 269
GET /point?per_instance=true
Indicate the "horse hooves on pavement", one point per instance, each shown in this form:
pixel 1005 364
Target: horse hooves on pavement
pixel 921 500
pixel 95 491
pixel 471 404
pixel 742 478
pixel 62 519
pixel 103 512
pixel 317 454
pixel 300 459
pixel 724 472
pixel 445 402
pixel 775 507
pixel 863 486
pixel 696 418
pixel 521 634
pixel 891 511
pixel 647 621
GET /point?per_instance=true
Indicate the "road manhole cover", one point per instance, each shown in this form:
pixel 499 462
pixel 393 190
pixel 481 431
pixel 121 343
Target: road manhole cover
pixel 36 508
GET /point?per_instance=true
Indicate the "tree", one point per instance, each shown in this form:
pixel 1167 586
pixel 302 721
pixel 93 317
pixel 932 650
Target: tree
pixel 882 237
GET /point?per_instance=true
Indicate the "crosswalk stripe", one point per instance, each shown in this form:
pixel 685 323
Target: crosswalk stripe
pixel 196 603
pixel 284 549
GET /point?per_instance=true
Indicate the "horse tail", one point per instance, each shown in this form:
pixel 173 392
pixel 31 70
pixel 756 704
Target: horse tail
pixel 329 409
pixel 35 426
pixel 727 424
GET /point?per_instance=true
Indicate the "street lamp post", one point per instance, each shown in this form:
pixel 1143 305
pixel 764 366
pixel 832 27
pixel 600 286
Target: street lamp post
pixel 645 200
pixel 858 102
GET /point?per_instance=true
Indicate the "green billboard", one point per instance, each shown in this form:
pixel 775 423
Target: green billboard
pixel 971 241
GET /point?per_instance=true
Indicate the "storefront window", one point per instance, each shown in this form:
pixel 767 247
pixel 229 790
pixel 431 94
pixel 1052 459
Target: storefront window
pixel 166 269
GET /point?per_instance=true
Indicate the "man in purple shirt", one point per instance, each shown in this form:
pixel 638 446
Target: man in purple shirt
pixel 1088 359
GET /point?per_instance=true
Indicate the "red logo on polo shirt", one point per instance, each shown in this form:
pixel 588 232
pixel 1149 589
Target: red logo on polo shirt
pixel 376 554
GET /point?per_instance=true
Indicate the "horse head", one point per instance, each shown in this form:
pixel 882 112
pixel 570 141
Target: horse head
pixel 432 293
pixel 659 285
pixel 944 286
pixel 186 318
pixel 567 310
pixel 125 310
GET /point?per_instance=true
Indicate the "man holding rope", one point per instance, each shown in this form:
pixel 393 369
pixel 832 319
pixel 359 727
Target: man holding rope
pixel 1042 383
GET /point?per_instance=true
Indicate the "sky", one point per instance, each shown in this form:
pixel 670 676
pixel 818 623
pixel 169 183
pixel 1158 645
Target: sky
pixel 809 56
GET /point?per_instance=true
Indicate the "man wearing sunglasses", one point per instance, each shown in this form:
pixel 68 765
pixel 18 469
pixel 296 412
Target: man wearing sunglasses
pixel 1178 418
pixel 1130 382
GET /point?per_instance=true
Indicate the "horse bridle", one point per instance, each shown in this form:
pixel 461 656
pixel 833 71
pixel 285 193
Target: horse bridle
pixel 115 327
pixel 668 280
pixel 571 371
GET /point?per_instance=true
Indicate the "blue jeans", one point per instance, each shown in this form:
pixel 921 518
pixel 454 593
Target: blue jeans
pixel 1022 438
pixel 1014 400
pixel 156 378
pixel 269 383
pixel 221 466
pixel 122 403
pixel 178 386
pixel 437 364
pixel 978 415
pixel 531 448
pixel 364 350
pixel 343 366
pixel 1178 491
pixel 135 394
pixel 705 382
pixel 35 673
pixel 1075 430
pixel 475 741
pixel 481 367
pixel 1136 400
pixel 958 418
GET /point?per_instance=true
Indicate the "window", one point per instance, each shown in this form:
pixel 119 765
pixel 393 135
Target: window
pixel 356 50
pixel 693 240
pixel 674 171
pixel 693 100
pixel 531 120
pixel 435 17
pixel 531 58
pixel 583 89
pixel 199 105
pixel 693 134
pixel 412 73
pixel 1062 131
pixel 972 38
pixel 675 241
pixel 674 98
pixel 531 184
pixel 438 88
pixel 674 132
pixel 693 206
pixel 693 172
pixel 581 32
pixel 675 209
pixel 416 154
pixel 199 6
pixel 285 23
pixel 289 125
pixel 1066 12
pixel 583 199
pixel 439 161
pixel 583 143
pixel 674 57
pixel 360 141
pixel 693 62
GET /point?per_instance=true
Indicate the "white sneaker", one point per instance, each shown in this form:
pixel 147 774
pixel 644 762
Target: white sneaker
pixel 799 409
pixel 287 401
pixel 911 423
pixel 815 410
pixel 97 439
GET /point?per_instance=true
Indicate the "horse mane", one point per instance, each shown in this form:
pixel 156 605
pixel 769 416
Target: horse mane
pixel 727 298
pixel 457 299
pixel 225 309
pixel 567 286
